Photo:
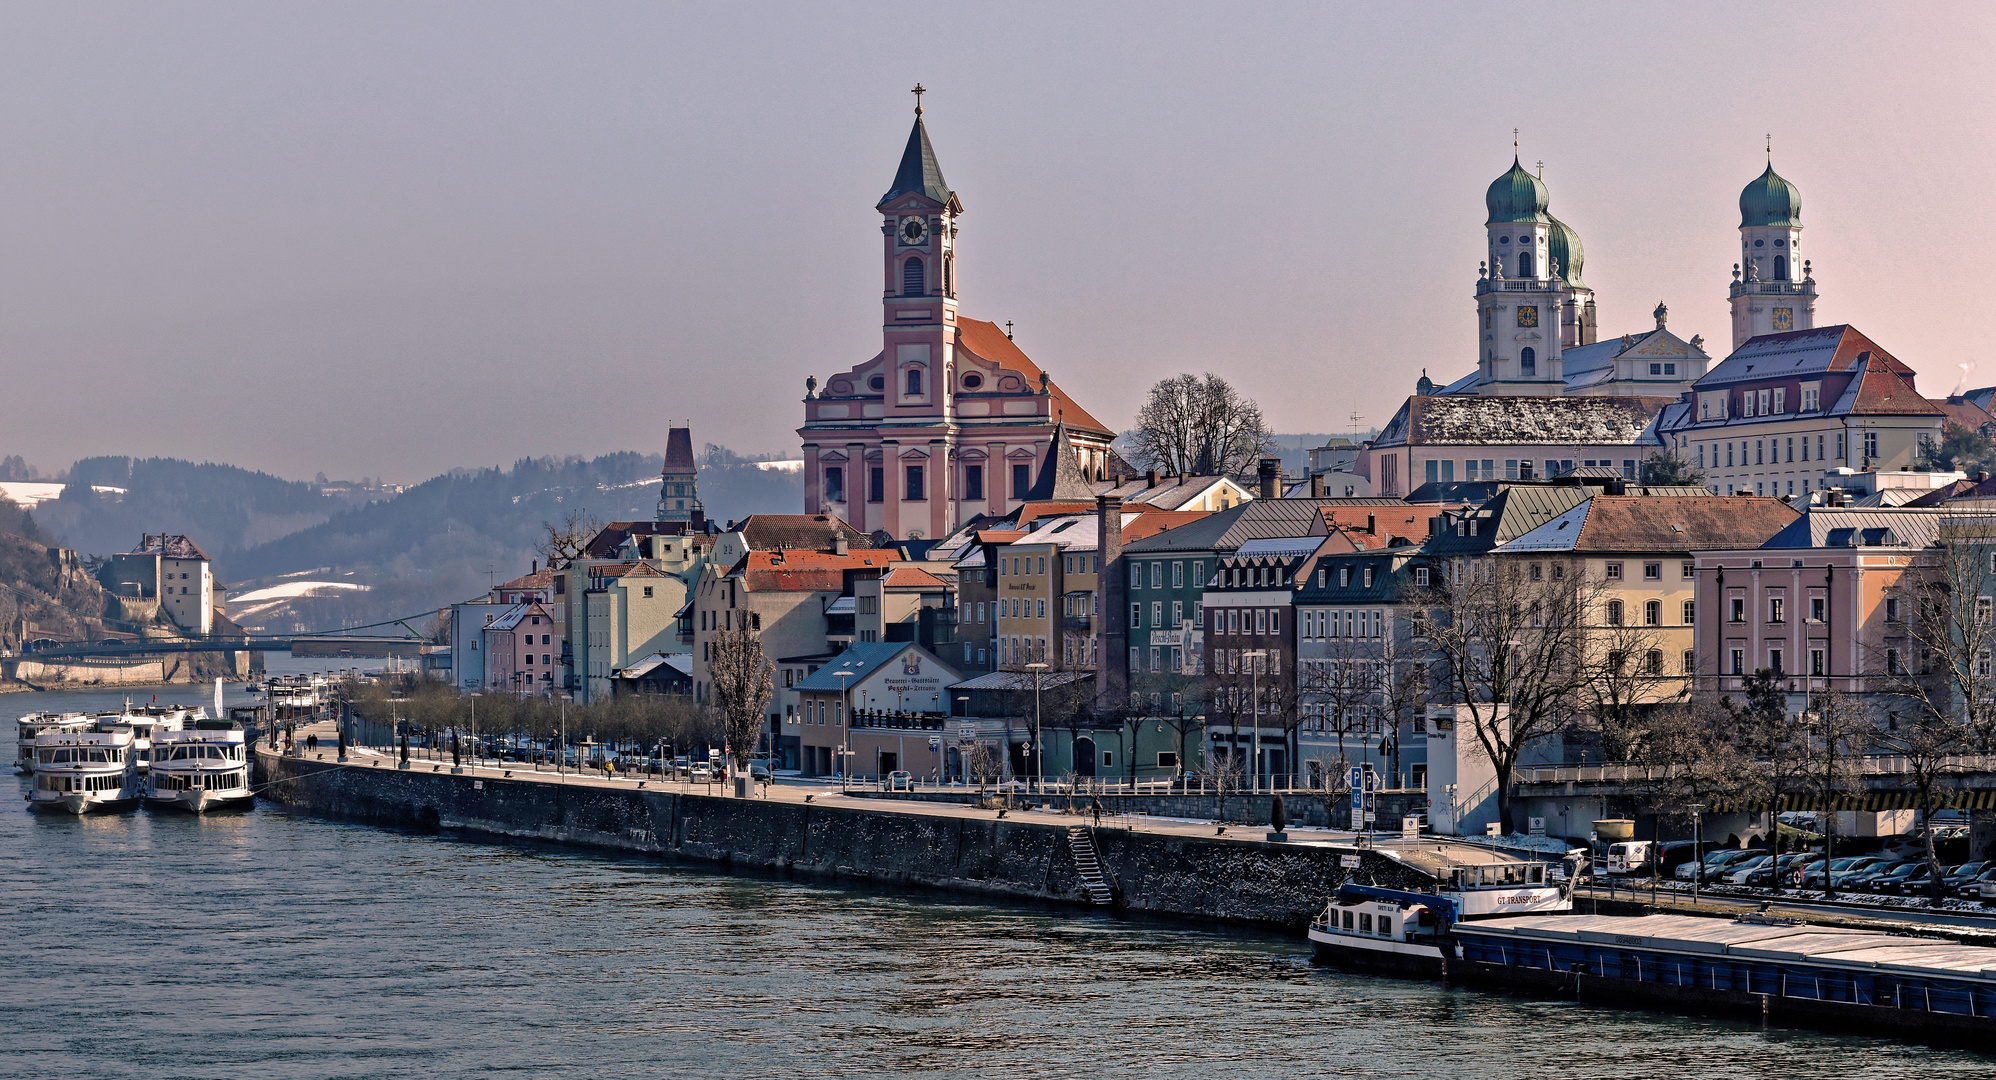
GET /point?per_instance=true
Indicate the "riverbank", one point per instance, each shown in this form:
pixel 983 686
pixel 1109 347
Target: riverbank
pixel 1178 869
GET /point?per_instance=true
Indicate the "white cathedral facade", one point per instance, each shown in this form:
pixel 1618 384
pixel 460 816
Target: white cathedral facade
pixel 1535 315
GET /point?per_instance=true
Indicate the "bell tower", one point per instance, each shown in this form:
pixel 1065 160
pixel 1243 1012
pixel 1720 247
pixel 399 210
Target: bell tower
pixel 1774 287
pixel 1520 299
pixel 918 301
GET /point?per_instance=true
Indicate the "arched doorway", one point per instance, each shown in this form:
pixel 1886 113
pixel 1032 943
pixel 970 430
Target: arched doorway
pixel 1084 756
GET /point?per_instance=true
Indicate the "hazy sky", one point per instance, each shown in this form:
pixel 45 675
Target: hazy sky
pixel 395 238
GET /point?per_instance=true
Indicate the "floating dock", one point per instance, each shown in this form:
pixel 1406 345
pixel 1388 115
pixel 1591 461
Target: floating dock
pixel 1772 970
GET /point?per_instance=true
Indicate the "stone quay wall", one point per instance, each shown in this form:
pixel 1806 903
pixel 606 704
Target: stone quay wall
pixel 1244 881
pixel 1298 808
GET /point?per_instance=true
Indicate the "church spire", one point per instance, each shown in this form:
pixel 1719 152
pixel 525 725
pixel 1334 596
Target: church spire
pixel 919 174
pixel 679 493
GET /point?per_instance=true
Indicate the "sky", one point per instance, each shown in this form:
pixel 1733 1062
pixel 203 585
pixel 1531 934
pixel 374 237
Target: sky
pixel 389 239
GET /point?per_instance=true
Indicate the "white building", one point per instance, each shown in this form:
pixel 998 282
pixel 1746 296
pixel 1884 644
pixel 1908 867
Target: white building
pixel 177 572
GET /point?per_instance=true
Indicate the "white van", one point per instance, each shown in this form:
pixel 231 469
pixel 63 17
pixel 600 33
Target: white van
pixel 1627 857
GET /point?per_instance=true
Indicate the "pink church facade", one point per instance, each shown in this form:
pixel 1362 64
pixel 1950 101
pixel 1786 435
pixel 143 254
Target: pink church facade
pixel 950 419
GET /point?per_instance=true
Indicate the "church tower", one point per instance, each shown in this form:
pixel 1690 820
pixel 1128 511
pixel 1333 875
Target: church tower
pixel 679 492
pixel 918 316
pixel 1519 300
pixel 1773 290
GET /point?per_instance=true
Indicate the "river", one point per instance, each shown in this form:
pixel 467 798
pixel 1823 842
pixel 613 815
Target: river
pixel 269 945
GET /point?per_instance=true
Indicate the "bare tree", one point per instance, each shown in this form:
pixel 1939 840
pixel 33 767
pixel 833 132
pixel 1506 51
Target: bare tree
pixel 743 679
pixel 1340 694
pixel 1624 679
pixel 1936 644
pixel 1221 774
pixel 1199 426
pixel 566 540
pixel 982 763
pixel 1508 640
pixel 1837 729
pixel 1774 741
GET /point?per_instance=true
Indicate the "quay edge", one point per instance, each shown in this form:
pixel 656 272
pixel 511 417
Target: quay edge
pixel 1245 882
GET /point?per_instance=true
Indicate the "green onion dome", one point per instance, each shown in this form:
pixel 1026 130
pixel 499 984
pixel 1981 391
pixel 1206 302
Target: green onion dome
pixel 1516 196
pixel 1769 200
pixel 1564 250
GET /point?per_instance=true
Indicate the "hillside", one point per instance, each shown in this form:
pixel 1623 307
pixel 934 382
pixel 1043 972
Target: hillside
pixel 449 538
pixel 46 592
pixel 109 502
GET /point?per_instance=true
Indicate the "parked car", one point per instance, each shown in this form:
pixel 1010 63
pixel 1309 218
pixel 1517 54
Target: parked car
pixel 1865 880
pixel 759 770
pixel 1713 863
pixel 1897 878
pixel 1972 888
pixel 1812 874
pixel 701 772
pixel 1968 871
pixel 1780 872
pixel 898 780
pixel 1844 871
pixel 1913 881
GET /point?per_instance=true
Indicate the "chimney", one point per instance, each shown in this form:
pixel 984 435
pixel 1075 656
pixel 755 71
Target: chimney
pixel 536 568
pixel 1371 525
pixel 1982 478
pixel 839 543
pixel 1316 485
pixel 1113 586
pixel 1150 478
pixel 1271 477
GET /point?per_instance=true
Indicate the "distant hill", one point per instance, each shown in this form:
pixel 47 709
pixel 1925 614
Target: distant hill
pixel 46 592
pixel 447 539
pixel 223 507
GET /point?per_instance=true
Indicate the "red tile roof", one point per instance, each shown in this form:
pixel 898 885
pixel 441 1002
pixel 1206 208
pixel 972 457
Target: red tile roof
pixel 910 577
pixel 1152 522
pixel 1882 391
pixel 805 571
pixel 1690 523
pixel 987 342
pixel 1965 413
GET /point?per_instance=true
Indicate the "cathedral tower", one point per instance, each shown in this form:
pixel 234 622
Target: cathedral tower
pixel 918 317
pixel 1519 300
pixel 679 492
pixel 1773 290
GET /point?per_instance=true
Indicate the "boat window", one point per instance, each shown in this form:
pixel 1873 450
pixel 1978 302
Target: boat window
pixel 1364 922
pixel 1385 926
pixel 1347 920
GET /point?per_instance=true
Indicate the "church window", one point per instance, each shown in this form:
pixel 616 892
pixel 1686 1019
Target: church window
pixel 1670 369
pixel 914 381
pixel 1781 243
pixel 1656 369
pixel 912 278
pixel 915 487
pixel 1525 264
pixel 1022 480
pixel 835 483
pixel 949 268
pixel 1759 243
pixel 1503 239
pixel 878 382
pixel 1780 267
pixel 1528 360
pixel 972 381
pixel 876 484
pixel 973 481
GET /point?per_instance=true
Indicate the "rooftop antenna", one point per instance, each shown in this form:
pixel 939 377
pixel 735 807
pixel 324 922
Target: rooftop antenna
pixel 1355 418
pixel 918 92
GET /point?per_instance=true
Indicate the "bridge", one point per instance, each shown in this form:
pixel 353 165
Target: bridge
pixel 298 645
pixel 1884 782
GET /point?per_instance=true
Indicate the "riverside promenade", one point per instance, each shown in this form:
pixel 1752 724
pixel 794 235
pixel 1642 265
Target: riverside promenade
pixel 1189 868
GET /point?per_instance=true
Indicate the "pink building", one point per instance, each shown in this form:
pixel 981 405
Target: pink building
pixel 950 419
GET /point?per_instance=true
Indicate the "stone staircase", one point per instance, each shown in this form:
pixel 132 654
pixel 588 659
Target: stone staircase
pixel 1089 865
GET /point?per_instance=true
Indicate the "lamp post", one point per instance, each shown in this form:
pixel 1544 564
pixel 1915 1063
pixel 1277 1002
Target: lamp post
pixel 474 730
pixel 1039 744
pixel 1697 841
pixel 845 730
pixel 1254 657
pixel 1453 825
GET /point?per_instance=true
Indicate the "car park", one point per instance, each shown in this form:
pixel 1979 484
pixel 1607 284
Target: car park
pixel 1972 888
pixel 1736 874
pixel 1779 873
pixel 1713 864
pixel 1958 875
pixel 1813 875
pixel 1894 880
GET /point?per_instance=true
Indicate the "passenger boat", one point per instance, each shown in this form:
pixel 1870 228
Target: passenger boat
pixel 84 772
pixel 1409 929
pixel 143 724
pixel 199 769
pixel 35 724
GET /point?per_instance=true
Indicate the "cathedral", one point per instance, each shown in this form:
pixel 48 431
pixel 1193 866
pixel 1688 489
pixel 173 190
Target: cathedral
pixel 1535 316
pixel 950 419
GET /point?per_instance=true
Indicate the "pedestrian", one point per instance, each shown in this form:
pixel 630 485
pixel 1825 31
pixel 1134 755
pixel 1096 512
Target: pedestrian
pixel 312 741
pixel 1095 804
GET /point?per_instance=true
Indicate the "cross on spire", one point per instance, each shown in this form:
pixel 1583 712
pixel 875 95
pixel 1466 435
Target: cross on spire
pixel 1770 148
pixel 918 92
pixel 1542 169
pixel 1514 142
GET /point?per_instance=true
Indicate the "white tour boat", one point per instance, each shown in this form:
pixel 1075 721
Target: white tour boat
pixel 199 769
pixel 1407 929
pixel 84 772
pixel 145 723
pixel 35 724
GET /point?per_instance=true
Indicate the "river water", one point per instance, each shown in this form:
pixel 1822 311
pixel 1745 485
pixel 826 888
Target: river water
pixel 264 944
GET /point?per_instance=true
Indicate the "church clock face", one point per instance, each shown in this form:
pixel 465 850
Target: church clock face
pixel 914 230
pixel 1784 320
pixel 1528 314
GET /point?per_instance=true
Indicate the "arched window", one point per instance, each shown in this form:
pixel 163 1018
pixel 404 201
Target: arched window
pixel 911 277
pixel 1653 613
pixel 1525 264
pixel 1614 613
pixel 1528 361
pixel 914 380
pixel 949 275
pixel 1781 268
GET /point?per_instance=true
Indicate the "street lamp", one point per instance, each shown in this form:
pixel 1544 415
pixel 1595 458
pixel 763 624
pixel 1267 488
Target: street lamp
pixel 845 730
pixel 1697 839
pixel 474 729
pixel 1039 762
pixel 1254 657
